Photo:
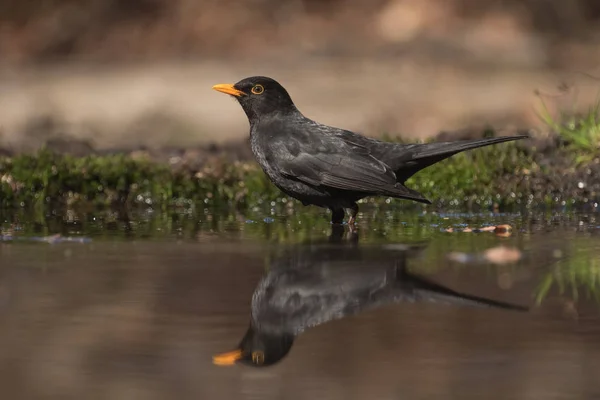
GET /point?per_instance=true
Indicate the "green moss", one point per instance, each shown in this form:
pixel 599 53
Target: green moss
pixel 482 176
pixel 506 174
pixel 48 177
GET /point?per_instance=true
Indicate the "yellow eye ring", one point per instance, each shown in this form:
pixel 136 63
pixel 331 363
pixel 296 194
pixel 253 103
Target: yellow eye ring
pixel 258 357
pixel 257 89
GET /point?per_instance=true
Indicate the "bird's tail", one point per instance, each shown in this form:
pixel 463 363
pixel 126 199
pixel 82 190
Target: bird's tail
pixel 424 290
pixel 450 297
pixel 424 155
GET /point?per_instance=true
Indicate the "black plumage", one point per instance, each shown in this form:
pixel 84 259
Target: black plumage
pixel 311 285
pixel 326 166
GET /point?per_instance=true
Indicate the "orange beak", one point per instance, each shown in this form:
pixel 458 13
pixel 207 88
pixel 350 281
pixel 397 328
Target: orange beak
pixel 228 358
pixel 229 89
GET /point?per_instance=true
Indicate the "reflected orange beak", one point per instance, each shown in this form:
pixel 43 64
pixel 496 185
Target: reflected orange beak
pixel 229 89
pixel 228 358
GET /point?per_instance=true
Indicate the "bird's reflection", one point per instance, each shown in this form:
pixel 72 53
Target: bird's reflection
pixel 338 233
pixel 313 284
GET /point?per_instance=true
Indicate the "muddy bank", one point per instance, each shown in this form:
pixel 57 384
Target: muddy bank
pixel 525 173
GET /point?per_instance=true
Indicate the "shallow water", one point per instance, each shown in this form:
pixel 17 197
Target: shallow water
pixel 136 304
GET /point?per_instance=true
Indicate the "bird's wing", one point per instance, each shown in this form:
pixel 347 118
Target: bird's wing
pixel 341 171
pixel 295 299
pixel 334 163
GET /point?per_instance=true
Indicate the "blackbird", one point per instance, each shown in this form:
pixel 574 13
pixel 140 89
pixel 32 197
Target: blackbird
pixel 312 285
pixel 327 166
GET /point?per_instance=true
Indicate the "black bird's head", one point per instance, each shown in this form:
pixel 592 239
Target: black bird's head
pixel 259 96
pixel 257 349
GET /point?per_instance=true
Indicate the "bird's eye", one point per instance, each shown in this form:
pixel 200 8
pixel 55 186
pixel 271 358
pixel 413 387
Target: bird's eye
pixel 258 89
pixel 258 357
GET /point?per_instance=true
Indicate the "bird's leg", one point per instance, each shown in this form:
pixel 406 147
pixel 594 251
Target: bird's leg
pixel 354 212
pixel 337 233
pixel 337 215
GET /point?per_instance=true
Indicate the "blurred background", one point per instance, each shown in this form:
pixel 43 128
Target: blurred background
pixel 133 73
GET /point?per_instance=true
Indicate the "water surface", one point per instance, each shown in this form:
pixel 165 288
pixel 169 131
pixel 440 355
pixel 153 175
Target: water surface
pixel 138 308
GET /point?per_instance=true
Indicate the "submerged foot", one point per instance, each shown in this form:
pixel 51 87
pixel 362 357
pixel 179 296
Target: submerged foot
pixel 352 228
